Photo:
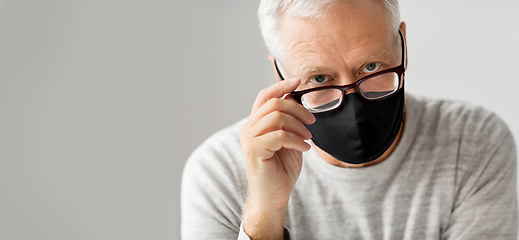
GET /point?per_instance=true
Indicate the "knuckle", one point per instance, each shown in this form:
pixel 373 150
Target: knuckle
pixel 242 134
pixel 274 103
pixel 242 131
pixel 249 151
pixel 278 119
pixel 247 154
pixel 263 93
pixel 281 134
pixel 278 116
pixel 243 139
pixel 281 86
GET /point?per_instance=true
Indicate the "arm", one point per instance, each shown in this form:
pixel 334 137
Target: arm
pixel 272 142
pixel 485 206
pixel 213 189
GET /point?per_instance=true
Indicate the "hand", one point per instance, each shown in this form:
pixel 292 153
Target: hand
pixel 272 142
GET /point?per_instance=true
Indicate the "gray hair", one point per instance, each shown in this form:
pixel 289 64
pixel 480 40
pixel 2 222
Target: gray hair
pixel 270 11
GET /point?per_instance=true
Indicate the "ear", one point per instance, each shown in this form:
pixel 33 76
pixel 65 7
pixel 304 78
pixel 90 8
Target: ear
pixel 402 29
pixel 271 58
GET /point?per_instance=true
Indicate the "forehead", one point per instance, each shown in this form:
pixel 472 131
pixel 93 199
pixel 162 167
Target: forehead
pixel 345 30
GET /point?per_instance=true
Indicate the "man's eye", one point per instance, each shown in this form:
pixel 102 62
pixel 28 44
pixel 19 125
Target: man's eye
pixel 319 79
pixel 371 67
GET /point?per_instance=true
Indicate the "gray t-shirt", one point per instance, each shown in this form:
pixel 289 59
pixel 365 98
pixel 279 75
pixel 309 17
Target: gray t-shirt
pixel 451 176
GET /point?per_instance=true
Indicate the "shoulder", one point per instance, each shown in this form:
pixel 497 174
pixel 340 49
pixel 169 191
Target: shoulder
pixel 473 139
pixel 477 153
pixel 214 187
pixel 466 121
pixel 218 160
pixel 222 146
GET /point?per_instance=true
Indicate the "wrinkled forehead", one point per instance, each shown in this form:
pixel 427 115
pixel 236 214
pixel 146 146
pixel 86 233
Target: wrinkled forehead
pixel 342 27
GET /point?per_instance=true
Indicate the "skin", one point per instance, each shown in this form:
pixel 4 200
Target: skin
pixel 337 45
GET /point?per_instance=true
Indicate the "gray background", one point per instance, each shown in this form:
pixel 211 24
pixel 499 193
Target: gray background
pixel 102 101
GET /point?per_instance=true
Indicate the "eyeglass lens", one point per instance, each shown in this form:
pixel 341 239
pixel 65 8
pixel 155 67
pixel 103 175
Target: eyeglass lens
pixel 372 88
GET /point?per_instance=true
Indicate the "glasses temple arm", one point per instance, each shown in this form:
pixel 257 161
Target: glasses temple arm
pixel 277 70
pixel 403 49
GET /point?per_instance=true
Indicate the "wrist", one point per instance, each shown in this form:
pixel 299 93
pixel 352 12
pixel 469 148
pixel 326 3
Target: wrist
pixel 264 221
pixel 271 204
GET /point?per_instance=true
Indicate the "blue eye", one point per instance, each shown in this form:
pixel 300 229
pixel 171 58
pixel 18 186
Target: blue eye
pixel 371 67
pixel 319 79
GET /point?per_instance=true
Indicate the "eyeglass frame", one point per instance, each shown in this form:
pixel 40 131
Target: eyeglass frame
pixel 400 70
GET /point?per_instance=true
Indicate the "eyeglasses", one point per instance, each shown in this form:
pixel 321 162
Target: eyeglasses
pixel 374 87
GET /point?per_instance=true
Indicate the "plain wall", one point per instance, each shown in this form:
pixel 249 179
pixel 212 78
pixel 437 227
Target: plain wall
pixel 102 101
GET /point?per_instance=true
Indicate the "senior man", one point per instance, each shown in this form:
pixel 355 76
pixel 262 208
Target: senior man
pixel 370 162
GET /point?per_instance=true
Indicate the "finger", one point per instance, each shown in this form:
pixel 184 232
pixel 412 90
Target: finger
pixel 289 107
pixel 276 90
pixel 280 121
pixel 283 139
pixel 274 141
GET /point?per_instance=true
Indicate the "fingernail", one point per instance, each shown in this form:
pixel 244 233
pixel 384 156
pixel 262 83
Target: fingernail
pixel 309 135
pixel 312 118
pixel 308 146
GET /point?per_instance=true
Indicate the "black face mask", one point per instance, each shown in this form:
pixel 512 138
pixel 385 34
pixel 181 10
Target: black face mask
pixel 359 131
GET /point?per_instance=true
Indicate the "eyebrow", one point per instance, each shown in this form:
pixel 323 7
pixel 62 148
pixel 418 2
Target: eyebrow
pixel 379 54
pixel 310 69
pixel 307 70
